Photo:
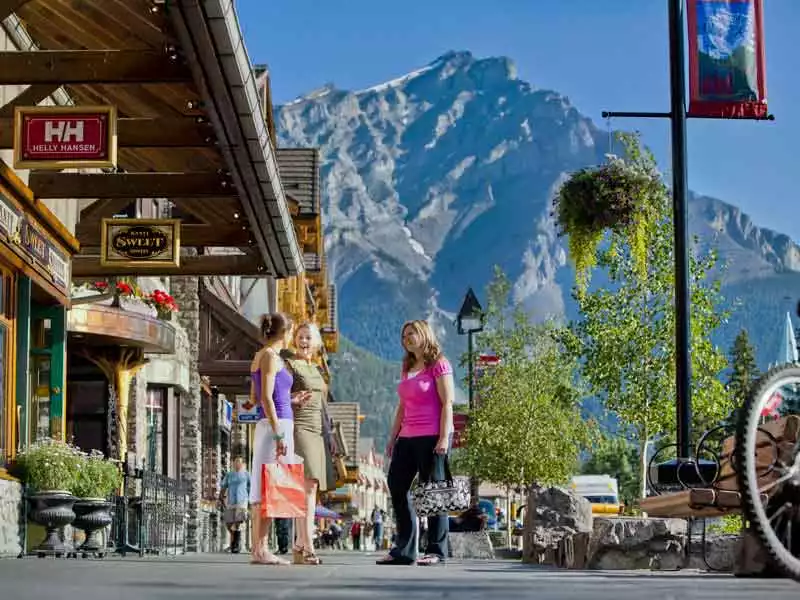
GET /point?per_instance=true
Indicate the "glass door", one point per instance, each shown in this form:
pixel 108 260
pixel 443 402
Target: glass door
pixel 46 373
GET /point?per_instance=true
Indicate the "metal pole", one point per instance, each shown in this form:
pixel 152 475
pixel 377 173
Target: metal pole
pixel 680 194
pixel 473 481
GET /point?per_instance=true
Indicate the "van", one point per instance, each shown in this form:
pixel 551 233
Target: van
pixel 601 490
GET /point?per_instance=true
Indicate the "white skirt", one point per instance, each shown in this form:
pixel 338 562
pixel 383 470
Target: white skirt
pixel 264 452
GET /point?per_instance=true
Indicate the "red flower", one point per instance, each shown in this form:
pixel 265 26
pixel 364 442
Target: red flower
pixel 100 285
pixel 124 288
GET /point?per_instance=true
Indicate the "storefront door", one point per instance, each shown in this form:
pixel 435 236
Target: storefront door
pixel 45 410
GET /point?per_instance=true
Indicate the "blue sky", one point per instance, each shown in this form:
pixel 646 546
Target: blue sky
pixel 610 54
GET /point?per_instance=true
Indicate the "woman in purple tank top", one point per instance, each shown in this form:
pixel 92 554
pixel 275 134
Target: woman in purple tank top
pixel 270 390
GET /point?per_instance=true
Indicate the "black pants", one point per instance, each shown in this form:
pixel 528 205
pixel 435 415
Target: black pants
pixel 282 534
pixel 414 456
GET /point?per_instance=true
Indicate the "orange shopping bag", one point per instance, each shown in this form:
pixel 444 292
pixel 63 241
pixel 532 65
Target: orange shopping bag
pixel 283 492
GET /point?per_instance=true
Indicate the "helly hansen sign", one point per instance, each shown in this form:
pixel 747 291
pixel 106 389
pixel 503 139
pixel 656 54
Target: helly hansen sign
pixel 63 137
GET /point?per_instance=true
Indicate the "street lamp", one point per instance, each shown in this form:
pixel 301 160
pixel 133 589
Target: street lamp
pixel 470 322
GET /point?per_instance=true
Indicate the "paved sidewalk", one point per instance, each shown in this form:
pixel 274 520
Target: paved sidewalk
pixel 353 576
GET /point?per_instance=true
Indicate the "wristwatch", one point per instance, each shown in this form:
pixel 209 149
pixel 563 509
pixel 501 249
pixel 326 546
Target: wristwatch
pixel 278 437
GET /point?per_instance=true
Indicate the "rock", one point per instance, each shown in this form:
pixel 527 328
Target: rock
pixel 552 514
pixel 629 544
pixel 471 544
pixel 573 550
pixel 720 552
pixel 10 505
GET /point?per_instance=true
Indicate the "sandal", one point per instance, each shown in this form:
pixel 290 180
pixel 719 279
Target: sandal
pixel 267 558
pixel 302 556
pixel 430 560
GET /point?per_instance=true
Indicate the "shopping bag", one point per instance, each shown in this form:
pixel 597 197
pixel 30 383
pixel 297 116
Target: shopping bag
pixel 283 492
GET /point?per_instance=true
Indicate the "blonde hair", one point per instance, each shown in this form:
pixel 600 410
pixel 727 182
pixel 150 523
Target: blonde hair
pixel 316 336
pixel 431 350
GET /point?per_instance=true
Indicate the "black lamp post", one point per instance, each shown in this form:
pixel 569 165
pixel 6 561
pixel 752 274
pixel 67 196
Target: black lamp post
pixel 470 322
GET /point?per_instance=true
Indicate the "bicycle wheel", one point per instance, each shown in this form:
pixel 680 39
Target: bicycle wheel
pixel 769 473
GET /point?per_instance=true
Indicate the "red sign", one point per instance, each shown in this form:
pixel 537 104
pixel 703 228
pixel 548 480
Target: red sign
pixel 61 137
pixel 459 425
pixel 727 68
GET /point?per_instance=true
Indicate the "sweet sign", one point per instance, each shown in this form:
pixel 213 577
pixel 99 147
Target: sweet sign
pixel 62 137
pixel 140 242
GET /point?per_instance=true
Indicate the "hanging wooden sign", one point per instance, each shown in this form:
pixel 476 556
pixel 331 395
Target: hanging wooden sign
pixel 65 137
pixel 140 242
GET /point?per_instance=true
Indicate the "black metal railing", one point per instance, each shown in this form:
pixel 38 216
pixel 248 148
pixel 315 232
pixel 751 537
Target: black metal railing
pixel 150 515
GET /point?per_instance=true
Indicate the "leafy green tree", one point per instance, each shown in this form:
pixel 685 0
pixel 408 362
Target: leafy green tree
pixel 619 458
pixel 744 371
pixel 625 336
pixel 527 426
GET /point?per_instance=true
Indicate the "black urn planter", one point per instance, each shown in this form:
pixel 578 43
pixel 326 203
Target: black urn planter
pixel 92 515
pixel 53 511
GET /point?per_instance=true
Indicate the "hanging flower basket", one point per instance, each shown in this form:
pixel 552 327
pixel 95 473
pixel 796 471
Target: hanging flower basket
pixel 163 303
pixel 613 196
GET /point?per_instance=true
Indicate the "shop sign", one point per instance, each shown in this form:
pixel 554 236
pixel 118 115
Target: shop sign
pixel 140 242
pixel 246 411
pixel 35 245
pixel 64 137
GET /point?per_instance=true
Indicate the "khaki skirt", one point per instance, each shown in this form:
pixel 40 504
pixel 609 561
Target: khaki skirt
pixel 311 446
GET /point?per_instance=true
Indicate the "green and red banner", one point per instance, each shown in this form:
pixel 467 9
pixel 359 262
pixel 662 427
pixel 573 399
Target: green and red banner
pixel 727 74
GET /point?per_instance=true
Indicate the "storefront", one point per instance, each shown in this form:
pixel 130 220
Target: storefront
pixel 35 257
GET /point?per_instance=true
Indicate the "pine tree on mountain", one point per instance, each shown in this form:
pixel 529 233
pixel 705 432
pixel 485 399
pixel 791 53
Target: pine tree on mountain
pixel 744 371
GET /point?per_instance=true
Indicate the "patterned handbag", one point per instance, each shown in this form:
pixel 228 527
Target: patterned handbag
pixel 437 498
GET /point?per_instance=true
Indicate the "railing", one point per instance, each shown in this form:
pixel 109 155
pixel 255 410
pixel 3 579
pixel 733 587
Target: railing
pixel 150 516
pixel 312 261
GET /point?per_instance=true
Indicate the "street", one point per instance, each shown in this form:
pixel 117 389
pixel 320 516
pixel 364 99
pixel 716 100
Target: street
pixel 351 575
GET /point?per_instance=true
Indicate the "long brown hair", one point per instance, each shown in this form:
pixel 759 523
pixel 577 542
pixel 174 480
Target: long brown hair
pixel 274 326
pixel 431 350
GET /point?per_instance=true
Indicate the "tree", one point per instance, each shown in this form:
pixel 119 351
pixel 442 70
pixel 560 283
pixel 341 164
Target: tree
pixel 527 426
pixel 625 336
pixel 619 458
pixel 744 371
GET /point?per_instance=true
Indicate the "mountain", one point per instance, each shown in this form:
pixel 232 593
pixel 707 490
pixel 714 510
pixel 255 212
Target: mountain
pixel 433 178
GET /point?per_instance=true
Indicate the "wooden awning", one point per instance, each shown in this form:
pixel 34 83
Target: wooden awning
pixel 191 128
pixel 228 342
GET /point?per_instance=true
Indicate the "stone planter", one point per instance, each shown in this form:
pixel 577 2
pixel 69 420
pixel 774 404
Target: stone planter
pixel 92 515
pixel 53 511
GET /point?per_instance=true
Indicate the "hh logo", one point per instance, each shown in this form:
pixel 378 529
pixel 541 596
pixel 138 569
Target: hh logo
pixel 63 131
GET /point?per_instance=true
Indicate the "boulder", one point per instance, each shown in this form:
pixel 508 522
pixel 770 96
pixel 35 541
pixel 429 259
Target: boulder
pixel 552 514
pixel 629 544
pixel 720 554
pixel 470 544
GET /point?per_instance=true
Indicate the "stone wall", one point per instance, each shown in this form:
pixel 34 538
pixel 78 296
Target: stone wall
pixel 185 292
pixel 10 504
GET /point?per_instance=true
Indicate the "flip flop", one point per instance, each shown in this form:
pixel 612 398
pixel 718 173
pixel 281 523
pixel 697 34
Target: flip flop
pixel 429 560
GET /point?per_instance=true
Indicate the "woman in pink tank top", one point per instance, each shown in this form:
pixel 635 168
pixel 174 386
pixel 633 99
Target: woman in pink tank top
pixel 419 441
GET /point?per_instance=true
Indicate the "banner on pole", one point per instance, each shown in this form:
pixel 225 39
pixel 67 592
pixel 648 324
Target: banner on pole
pixel 727 75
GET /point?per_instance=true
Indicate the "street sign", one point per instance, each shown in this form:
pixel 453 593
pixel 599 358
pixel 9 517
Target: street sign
pixel 65 137
pixel 459 425
pixel 140 242
pixel 246 411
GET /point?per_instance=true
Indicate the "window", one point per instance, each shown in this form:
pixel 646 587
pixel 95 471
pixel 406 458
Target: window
pixel 156 456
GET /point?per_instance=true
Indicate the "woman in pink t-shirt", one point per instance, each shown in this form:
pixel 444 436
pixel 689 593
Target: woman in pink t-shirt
pixel 419 441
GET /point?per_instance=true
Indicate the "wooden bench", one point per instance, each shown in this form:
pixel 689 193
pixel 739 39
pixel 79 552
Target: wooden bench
pixel 723 497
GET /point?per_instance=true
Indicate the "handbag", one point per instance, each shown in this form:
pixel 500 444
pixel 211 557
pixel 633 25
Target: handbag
pixel 283 492
pixel 436 498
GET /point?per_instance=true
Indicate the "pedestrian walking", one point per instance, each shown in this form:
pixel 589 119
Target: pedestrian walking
pixel 308 400
pixel 377 527
pixel 270 390
pixel 355 534
pixel 419 442
pixel 234 496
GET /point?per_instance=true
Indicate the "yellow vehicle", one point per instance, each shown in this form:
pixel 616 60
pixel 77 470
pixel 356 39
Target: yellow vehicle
pixel 601 490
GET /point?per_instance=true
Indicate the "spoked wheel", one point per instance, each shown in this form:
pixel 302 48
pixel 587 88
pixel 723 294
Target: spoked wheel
pixel 768 466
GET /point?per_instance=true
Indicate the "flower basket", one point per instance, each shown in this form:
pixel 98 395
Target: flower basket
pixel 612 196
pixel 163 303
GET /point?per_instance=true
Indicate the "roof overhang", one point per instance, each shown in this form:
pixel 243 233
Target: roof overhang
pixel 210 36
pixel 98 324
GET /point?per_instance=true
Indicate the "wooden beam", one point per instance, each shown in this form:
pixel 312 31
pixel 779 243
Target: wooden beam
pixel 192 236
pixel 129 185
pixel 96 211
pixel 73 67
pixel 32 95
pixel 10 6
pixel 191 266
pixel 181 132
pixel 222 368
